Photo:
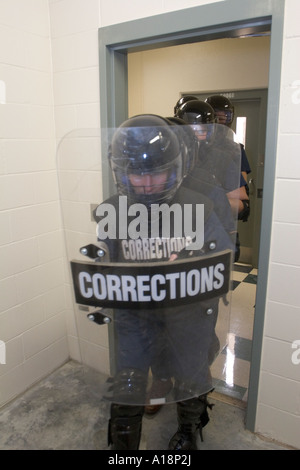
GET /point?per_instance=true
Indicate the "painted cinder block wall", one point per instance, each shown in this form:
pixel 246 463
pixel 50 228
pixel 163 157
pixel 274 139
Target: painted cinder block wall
pixel 32 298
pixel 49 65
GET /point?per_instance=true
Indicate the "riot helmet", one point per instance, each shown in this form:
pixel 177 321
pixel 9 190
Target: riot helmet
pixel 146 160
pixel 182 100
pixel 224 110
pixel 200 115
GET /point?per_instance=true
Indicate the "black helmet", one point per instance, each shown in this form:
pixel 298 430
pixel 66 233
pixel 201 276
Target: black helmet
pixel 146 145
pixel 196 112
pixel 182 100
pixel 221 103
pixel 201 118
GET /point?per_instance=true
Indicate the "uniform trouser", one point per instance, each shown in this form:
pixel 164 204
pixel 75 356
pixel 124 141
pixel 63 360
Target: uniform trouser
pixel 187 333
pixel 182 339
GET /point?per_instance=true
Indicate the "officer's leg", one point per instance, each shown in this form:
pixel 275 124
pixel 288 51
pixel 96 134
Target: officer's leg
pixel 125 426
pixel 192 375
pixel 161 375
pixel 192 416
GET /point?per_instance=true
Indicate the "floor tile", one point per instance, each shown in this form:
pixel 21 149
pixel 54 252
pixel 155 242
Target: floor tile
pixel 234 391
pixel 238 276
pixel 241 348
pixel 244 295
pixel 244 268
pixel 234 284
pixel 242 325
pixel 251 278
pixel 231 370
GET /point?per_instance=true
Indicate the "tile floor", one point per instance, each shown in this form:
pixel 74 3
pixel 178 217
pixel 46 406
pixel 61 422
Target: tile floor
pixel 232 367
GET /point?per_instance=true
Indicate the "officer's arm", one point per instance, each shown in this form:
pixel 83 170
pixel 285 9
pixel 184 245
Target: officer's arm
pixel 236 199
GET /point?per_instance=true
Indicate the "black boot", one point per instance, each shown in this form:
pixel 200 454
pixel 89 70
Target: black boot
pixel 125 427
pixel 192 416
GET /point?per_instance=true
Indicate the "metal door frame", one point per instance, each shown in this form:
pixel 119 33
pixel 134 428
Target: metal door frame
pixel 224 19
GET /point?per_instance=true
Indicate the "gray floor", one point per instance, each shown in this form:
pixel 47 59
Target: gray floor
pixel 64 412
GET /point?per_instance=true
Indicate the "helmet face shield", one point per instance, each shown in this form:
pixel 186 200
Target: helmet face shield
pixel 146 160
pixel 223 108
pixel 201 118
pixel 196 112
pixel 200 130
pixel 148 183
pixel 148 186
pixel 224 116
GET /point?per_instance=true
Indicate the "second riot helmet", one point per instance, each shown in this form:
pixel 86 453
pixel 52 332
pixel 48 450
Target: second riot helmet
pixel 200 116
pixel 182 100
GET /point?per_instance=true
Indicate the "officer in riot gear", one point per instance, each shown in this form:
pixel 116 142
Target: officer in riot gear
pixel 224 111
pixel 216 160
pixel 148 163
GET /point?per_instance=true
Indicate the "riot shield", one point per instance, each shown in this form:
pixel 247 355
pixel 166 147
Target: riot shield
pixel 150 283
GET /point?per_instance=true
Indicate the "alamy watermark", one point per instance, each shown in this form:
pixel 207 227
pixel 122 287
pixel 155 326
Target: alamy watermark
pixel 2 352
pixel 296 354
pixel 2 92
pixel 163 221
pixel 296 93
